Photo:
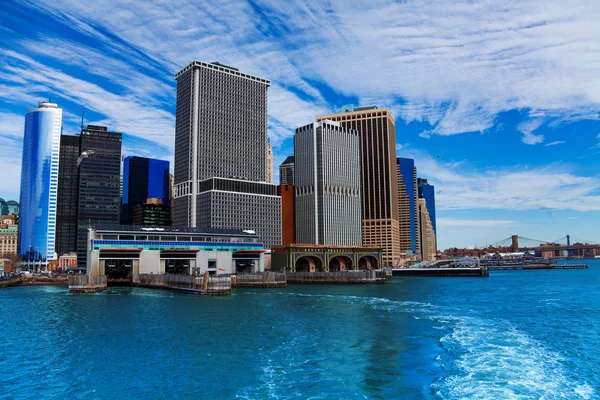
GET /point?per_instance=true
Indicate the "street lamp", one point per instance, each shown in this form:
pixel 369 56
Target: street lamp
pixel 83 155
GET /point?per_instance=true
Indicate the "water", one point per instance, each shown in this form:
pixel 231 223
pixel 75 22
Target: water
pixel 517 334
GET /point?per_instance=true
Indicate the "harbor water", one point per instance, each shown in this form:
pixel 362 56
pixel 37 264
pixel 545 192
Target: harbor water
pixel 517 334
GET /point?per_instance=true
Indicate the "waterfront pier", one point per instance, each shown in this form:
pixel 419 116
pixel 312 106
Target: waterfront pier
pixel 533 266
pixel 442 272
pixel 87 283
pixel 341 277
pixel 265 279
pixel 204 285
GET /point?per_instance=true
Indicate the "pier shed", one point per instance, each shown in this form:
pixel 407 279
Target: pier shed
pixel 123 251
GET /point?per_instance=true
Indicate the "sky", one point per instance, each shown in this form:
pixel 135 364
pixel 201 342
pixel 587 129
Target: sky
pixel 498 102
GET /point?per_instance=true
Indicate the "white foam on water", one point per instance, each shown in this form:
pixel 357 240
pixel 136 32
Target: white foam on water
pixel 486 358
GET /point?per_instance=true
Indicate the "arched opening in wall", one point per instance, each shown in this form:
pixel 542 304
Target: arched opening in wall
pixel 340 263
pixel 368 262
pixel 309 264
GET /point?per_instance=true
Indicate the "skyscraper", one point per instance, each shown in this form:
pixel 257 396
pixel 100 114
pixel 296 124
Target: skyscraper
pixel 269 165
pixel 99 182
pixel 220 152
pixel 68 192
pixel 377 131
pixel 328 184
pixel 286 171
pixel 427 192
pixel 39 184
pixel 408 177
pixel 428 241
pixel 143 178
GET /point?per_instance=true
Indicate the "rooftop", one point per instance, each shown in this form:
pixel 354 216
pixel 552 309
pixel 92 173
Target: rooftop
pixel 172 229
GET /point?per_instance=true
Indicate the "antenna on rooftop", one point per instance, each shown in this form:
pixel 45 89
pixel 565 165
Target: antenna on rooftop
pixel 82 111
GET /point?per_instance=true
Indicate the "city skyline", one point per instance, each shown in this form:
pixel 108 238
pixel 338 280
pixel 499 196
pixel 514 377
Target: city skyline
pixel 526 162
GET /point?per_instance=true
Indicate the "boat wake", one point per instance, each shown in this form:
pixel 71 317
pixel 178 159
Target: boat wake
pixel 483 358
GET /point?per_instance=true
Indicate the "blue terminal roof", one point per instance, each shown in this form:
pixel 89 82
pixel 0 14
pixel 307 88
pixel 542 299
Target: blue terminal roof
pixel 173 229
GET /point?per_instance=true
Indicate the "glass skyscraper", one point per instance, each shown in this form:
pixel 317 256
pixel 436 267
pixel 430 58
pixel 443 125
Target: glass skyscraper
pixel 143 178
pixel 408 205
pixel 39 184
pixel 427 192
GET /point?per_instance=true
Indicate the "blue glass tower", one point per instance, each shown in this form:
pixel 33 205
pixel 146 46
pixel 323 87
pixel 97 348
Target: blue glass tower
pixel 427 192
pixel 39 182
pixel 408 175
pixel 143 178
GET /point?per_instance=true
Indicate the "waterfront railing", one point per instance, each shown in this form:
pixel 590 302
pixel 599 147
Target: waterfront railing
pixel 87 283
pixel 261 279
pixel 354 276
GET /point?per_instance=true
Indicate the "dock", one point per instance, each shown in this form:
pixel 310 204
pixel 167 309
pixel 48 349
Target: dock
pixel 442 272
pixel 265 279
pixel 87 283
pixel 343 277
pixel 202 285
pixel 506 267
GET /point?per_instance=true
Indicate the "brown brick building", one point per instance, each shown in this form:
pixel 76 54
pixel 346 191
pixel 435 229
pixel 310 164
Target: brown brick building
pixel 288 214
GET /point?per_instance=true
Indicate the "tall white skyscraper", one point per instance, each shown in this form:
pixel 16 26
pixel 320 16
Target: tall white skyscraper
pixel 39 184
pixel 327 179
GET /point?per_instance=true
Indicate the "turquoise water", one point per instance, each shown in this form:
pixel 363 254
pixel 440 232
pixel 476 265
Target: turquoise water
pixel 517 334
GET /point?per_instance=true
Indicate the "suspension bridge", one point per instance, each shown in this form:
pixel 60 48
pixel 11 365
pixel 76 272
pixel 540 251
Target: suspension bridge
pixel 573 246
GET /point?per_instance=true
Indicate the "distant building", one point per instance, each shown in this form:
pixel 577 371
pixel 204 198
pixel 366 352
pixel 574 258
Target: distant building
pixel 144 178
pixel 171 198
pixel 288 214
pixel 152 213
pixel 428 244
pixel 10 207
pixel 408 199
pixel 13 207
pixel 427 192
pixel 328 184
pixel 325 258
pixel 99 182
pixel 39 183
pixel 286 171
pixel 221 152
pixel 68 195
pixel 377 131
pixel 9 235
pixel 269 163
pixel 67 261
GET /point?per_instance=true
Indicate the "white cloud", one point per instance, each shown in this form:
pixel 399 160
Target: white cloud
pixel 455 64
pixel 554 143
pixel 527 128
pixel 452 222
pixel 459 186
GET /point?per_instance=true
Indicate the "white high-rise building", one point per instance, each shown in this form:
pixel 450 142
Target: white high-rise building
pixel 269 163
pixel 327 179
pixel 39 184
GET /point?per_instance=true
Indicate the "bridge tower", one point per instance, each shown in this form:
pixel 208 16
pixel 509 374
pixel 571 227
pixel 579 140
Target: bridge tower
pixel 568 240
pixel 515 243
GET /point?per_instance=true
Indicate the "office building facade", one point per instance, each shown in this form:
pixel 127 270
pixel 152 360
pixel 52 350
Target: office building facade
pixel 269 165
pixel 377 131
pixel 428 240
pixel 427 192
pixel 288 214
pixel 39 185
pixel 99 182
pixel 409 223
pixel 152 213
pixel 286 171
pixel 328 184
pixel 221 142
pixel 68 191
pixel 143 178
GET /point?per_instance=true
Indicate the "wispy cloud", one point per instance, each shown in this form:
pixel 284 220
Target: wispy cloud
pixel 554 143
pixel 460 186
pixel 452 222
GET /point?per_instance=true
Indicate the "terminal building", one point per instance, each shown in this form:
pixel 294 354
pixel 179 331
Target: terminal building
pixel 121 251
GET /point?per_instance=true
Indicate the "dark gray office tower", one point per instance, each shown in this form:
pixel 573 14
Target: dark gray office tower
pixel 221 151
pixel 99 182
pixel 68 185
pixel 286 171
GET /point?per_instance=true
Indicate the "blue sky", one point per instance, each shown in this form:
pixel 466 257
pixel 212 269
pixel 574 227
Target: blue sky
pixel 498 102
